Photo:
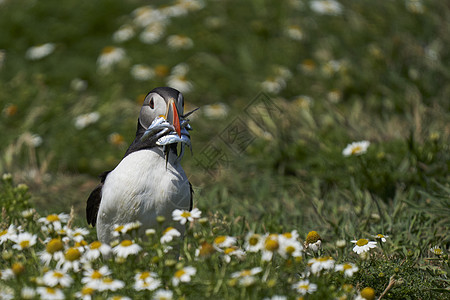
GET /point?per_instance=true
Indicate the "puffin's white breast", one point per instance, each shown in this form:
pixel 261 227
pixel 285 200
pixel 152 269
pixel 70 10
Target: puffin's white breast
pixel 141 188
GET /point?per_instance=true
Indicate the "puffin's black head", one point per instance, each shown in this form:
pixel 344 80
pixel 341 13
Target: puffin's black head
pixel 162 102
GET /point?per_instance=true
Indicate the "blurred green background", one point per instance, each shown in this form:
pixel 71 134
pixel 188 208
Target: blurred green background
pixel 73 75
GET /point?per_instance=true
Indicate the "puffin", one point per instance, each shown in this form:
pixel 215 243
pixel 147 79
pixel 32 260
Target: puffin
pixel 149 180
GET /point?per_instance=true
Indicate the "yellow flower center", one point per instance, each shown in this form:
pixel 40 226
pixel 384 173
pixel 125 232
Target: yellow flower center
pixel 323 259
pixel 312 237
pixel 303 286
pixel 54 245
pixel 206 249
pixel 362 242
pixel 108 50
pixel 220 239
pixel 380 236
pixel 144 275
pixel 87 291
pixel 254 239
pixel 17 268
pixel 58 274
pixel 107 280
pixel 3 232
pixel 168 229
pixel 271 245
pixel 347 266
pixel 290 249
pixel 118 228
pixel 180 273
pixel 245 273
pixel 287 235
pixel 81 243
pixel 50 291
pixel 161 70
pixel 126 243
pixel 185 214
pixel 96 275
pixel 356 149
pixel 72 254
pixel 52 218
pixel 368 293
pixel 95 245
pixel 229 250
pixel 24 244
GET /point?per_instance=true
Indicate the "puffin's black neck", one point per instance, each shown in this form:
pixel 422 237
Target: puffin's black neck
pixel 149 143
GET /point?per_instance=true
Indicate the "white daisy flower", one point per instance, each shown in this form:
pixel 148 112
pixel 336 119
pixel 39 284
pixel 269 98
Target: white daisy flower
pixel 2 57
pixel 8 234
pixel 233 251
pixel 27 293
pixel 224 241
pixel 54 250
pixel 78 84
pixel 54 221
pixel 321 263
pixel 146 281
pixel 28 213
pixel 49 293
pixel 24 240
pixel 85 293
pixel 326 7
pixel 93 278
pixel 179 42
pixel 40 51
pixel 142 72
pixel 381 237
pixel 152 33
pixel 6 274
pixel 273 85
pixel 72 259
pixel 356 148
pixel 215 111
pixel 246 277
pixel 95 249
pixel 363 245
pixel 289 247
pixel 348 268
pixel 253 242
pixel 126 228
pixel 294 32
pixel 109 284
pixel 57 277
pixel 169 234
pixel 183 275
pixel 116 297
pixel 109 57
pixel 180 82
pixel 270 246
pixel 126 248
pixel 276 297
pixel 124 33
pixel 146 15
pixel 77 234
pixel 436 250
pixel 304 287
pixel 163 295
pixel 85 120
pixel 184 215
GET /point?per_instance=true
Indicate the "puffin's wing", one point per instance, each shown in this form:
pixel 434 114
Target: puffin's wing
pixel 192 197
pixel 93 202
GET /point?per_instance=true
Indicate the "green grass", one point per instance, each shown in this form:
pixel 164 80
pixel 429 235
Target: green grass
pixel 378 72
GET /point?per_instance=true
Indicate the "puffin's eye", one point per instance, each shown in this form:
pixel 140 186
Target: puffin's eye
pixel 151 104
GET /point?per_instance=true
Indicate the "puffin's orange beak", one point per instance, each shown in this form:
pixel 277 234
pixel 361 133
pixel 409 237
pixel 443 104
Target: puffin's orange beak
pixel 172 116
